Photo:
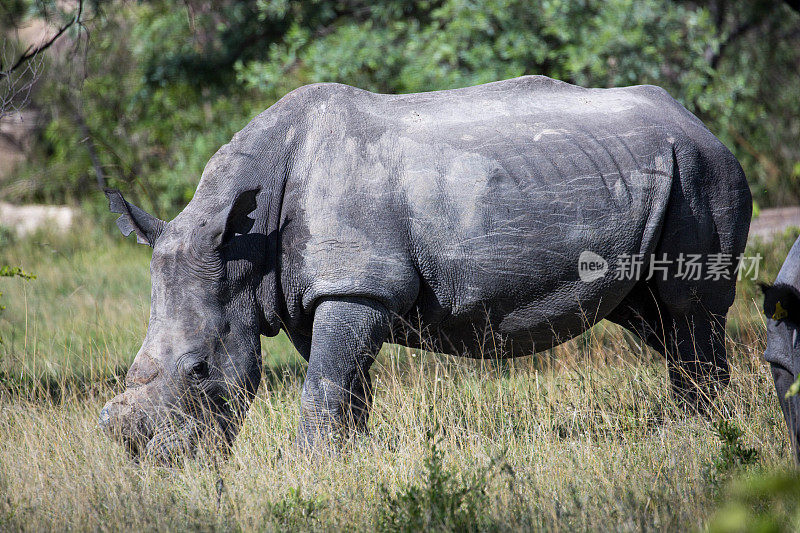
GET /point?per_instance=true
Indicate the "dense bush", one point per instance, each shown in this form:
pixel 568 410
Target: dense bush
pixel 159 86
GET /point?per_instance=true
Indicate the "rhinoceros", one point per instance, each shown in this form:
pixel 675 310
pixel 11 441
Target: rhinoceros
pixel 489 221
pixel 782 307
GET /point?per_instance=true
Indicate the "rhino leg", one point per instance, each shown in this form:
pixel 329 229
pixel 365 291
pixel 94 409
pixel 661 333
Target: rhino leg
pixel 698 365
pixel 697 362
pixel 691 337
pixel 337 393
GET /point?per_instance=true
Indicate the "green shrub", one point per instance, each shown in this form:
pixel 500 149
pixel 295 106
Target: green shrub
pixel 733 454
pixel 295 511
pixel 444 501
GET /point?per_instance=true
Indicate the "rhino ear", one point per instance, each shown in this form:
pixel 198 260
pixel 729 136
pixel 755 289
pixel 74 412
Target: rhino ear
pixel 134 219
pixel 781 302
pixel 234 219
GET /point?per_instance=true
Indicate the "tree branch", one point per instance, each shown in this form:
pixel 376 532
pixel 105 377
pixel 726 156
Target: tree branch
pixel 32 51
pixel 91 148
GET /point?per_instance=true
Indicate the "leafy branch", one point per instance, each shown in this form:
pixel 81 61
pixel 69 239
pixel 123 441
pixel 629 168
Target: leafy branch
pixel 13 272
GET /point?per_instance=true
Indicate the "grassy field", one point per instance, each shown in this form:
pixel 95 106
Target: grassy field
pixel 583 437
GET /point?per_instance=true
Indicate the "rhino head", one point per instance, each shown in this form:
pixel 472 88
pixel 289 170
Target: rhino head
pixel 782 309
pixel 199 366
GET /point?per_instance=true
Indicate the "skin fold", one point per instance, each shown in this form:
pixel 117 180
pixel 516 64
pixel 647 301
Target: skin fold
pixel 453 220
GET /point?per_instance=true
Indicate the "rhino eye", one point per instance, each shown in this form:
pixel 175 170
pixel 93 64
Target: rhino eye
pixel 200 369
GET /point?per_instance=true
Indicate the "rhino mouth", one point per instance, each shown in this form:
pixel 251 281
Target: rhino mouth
pixel 166 443
pixel 123 421
pixel 171 438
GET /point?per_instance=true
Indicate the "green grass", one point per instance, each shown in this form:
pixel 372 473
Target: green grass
pixel 582 437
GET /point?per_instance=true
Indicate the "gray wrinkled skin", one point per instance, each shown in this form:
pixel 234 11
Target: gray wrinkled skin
pixel 450 219
pixel 782 307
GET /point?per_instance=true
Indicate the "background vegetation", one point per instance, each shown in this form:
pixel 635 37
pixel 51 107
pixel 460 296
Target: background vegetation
pixel 147 91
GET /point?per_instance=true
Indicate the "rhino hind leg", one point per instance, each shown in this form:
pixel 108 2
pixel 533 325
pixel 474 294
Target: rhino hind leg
pixel 697 362
pixel 689 334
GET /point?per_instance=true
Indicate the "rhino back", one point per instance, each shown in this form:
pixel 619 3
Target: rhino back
pixel 479 200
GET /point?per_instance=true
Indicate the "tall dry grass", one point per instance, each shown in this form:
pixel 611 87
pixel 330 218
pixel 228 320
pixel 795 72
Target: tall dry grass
pixel 585 436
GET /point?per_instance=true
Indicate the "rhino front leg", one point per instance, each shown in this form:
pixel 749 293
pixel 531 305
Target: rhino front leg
pixel 336 397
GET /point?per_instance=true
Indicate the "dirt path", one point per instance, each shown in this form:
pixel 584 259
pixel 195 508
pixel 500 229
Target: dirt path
pixel 24 219
pixel 773 221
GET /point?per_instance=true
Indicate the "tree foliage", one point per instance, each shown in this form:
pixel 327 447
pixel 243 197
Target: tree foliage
pixel 162 85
